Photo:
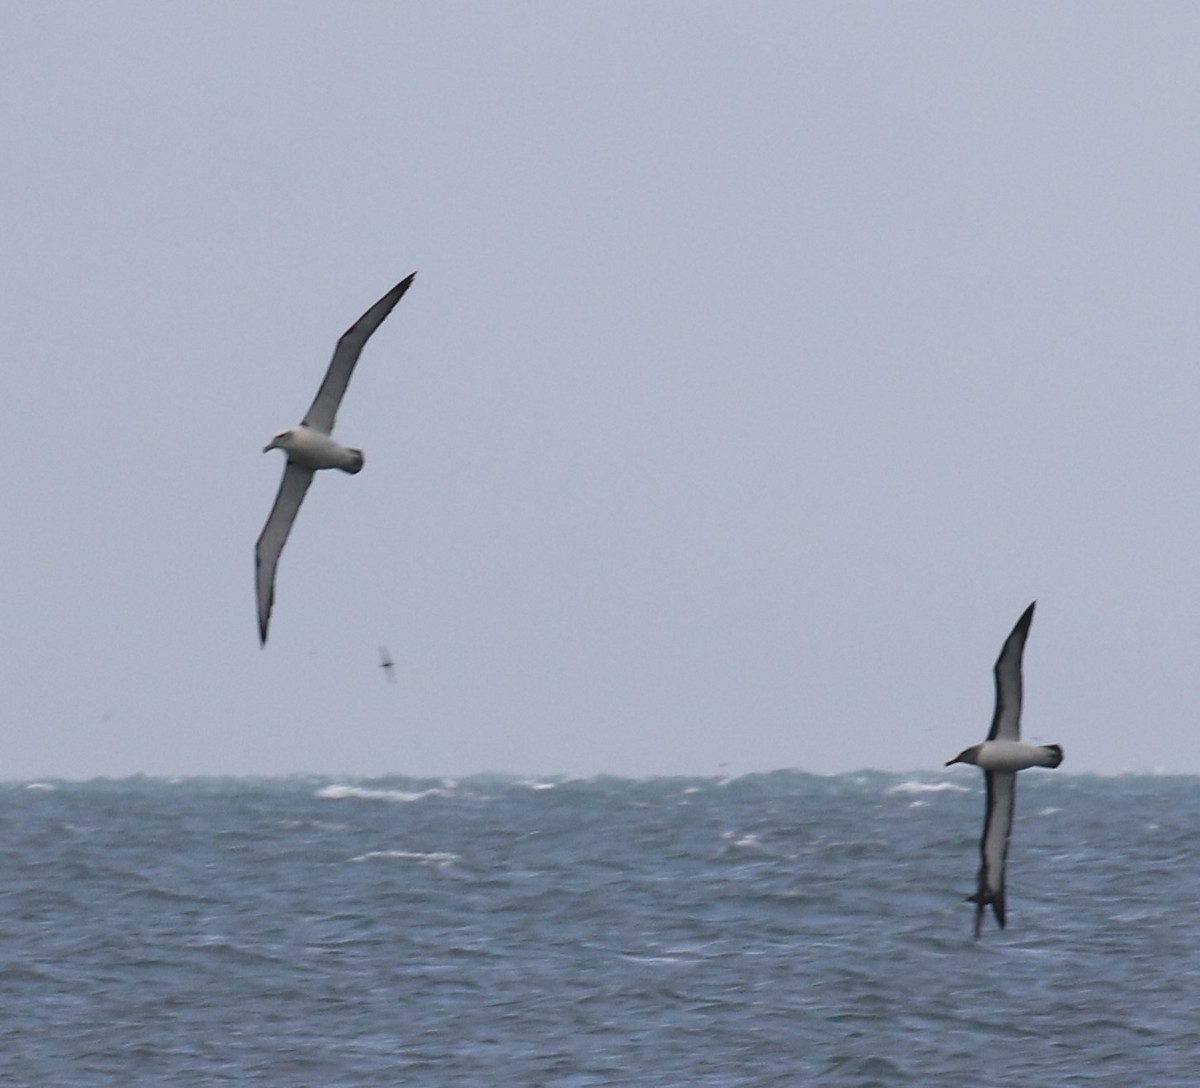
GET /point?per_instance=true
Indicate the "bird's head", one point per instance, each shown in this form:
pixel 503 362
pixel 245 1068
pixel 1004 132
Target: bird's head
pixel 281 441
pixel 967 755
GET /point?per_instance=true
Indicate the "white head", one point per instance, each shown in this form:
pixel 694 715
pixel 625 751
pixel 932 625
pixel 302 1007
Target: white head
pixel 281 441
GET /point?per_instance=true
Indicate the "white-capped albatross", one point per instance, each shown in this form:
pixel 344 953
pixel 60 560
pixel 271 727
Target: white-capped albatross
pixel 1000 757
pixel 310 447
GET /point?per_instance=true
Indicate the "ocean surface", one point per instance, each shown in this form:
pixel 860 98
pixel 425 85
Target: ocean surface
pixel 775 929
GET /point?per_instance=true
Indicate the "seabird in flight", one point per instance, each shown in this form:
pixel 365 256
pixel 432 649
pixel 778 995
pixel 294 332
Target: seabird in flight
pixel 310 447
pixel 387 664
pixel 1000 757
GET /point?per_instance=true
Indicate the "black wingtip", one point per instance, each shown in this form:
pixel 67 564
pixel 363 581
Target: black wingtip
pixel 388 302
pixel 1021 627
pixel 982 899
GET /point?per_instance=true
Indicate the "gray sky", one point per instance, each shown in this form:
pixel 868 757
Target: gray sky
pixel 764 362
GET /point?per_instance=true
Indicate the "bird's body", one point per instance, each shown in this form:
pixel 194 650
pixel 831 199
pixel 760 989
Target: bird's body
pixel 1000 757
pixel 310 447
pixel 314 450
pixel 1010 755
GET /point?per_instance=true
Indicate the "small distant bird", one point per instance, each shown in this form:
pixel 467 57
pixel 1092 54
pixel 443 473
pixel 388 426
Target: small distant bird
pixel 310 447
pixel 1000 757
pixel 387 664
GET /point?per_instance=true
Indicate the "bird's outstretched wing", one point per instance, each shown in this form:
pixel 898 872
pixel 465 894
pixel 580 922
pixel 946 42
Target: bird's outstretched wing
pixel 323 410
pixel 1006 722
pixel 273 537
pixel 993 847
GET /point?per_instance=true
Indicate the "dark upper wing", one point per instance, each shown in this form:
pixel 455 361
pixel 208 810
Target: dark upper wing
pixel 273 537
pixel 1006 723
pixel 324 407
pixel 993 847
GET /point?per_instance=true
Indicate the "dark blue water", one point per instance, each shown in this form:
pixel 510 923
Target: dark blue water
pixel 780 929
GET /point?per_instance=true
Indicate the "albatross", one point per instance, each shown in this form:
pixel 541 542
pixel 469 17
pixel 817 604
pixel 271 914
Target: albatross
pixel 387 664
pixel 1000 757
pixel 310 446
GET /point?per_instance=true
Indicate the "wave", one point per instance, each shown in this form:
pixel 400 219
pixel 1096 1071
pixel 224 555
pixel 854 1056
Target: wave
pixel 928 787
pixel 439 858
pixel 364 793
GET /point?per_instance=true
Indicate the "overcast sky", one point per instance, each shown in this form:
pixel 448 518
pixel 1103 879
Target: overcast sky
pixel 763 363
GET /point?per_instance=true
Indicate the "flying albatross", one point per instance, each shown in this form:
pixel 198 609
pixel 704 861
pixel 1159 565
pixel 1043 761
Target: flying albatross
pixel 310 447
pixel 387 664
pixel 1000 757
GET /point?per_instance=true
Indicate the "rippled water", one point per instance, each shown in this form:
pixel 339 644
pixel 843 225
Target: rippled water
pixel 780 929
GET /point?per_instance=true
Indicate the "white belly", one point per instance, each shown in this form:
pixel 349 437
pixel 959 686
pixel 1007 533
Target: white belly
pixel 315 450
pixel 1012 755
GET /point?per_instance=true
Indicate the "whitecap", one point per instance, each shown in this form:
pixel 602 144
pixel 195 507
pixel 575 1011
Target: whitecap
pixel 438 858
pixel 748 843
pixel 928 787
pixel 529 784
pixel 361 793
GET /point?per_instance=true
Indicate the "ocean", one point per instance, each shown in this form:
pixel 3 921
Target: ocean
pixel 770 929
